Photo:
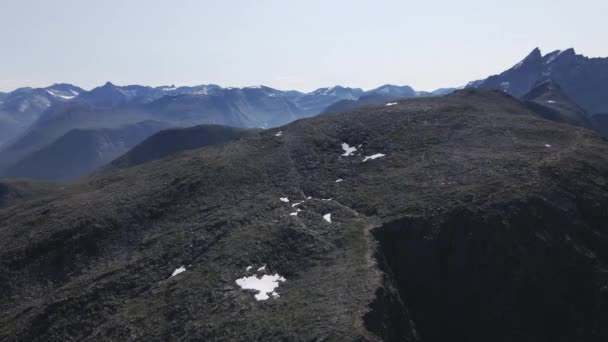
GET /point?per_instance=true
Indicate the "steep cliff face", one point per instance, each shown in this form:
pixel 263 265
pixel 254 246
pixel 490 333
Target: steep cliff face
pixel 461 218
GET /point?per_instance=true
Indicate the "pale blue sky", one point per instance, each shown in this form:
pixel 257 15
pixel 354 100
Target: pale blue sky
pixel 285 44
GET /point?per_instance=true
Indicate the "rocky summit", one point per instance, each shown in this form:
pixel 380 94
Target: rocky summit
pixel 465 217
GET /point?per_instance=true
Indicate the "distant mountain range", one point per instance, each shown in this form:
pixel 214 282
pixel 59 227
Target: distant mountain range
pixel 36 118
pixel 81 151
pixel 20 108
pixel 561 86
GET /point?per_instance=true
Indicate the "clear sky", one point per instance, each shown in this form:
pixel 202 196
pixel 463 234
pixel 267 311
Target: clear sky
pixel 286 44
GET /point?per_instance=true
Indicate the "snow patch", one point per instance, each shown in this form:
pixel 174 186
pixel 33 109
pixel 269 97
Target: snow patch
pixel 178 271
pixel 391 104
pixel 264 285
pixel 348 150
pixel 553 57
pixel 61 96
pixel 518 65
pixel 550 101
pixel 262 269
pixel 327 217
pixel 284 199
pixel 248 268
pixel 339 180
pixel 280 133
pixel 295 213
pixel 373 156
pixel 547 146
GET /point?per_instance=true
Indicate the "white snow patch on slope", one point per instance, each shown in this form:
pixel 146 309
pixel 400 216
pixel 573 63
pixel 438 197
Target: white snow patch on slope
pixel 550 101
pixel 264 285
pixel 62 96
pixel 284 199
pixel 279 134
pixel 373 156
pixel 248 268
pixel 348 150
pixel 339 180
pixel 262 269
pixel 327 217
pixel 390 104
pixel 178 271
pixel 553 57
pixel 518 65
pixel 547 145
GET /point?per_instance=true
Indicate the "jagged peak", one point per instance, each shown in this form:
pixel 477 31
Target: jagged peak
pixel 535 53
pixel 558 54
pixel 533 57
pixel 569 51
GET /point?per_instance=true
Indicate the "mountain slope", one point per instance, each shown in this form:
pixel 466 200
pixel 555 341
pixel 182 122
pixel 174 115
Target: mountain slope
pixel 583 79
pixel 315 102
pixel 548 99
pixel 600 123
pixel 13 191
pixel 175 140
pixel 365 100
pixel 394 91
pixel 238 107
pixel 79 152
pixel 459 218
pixel 20 108
pixel 63 118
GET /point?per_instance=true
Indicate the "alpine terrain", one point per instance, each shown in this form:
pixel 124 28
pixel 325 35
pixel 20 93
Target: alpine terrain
pixel 466 217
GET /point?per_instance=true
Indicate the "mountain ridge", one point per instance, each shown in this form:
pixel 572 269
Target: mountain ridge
pixel 175 140
pixel 81 151
pixel 583 79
